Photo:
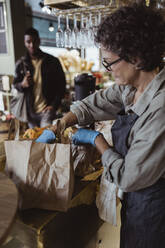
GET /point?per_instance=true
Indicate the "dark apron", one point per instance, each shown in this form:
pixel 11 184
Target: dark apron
pixel 143 211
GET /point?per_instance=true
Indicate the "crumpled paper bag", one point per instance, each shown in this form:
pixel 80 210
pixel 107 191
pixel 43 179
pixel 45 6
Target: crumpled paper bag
pixel 43 173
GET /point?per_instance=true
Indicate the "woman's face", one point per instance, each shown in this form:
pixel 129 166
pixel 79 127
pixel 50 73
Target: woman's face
pixel 123 72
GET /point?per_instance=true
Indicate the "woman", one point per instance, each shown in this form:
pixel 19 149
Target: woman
pixel 132 42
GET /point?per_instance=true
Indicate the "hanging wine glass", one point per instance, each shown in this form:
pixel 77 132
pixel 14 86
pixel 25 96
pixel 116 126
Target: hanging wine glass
pixel 83 33
pixel 99 19
pixel 94 28
pixel 99 16
pixel 90 31
pixel 59 34
pixel 75 33
pixel 79 35
pixel 67 33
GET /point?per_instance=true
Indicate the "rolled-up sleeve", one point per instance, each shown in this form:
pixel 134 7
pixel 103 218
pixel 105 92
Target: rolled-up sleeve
pixel 102 105
pixel 144 163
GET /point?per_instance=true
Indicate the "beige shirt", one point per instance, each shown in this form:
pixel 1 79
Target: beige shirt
pixel 39 101
pixel 144 163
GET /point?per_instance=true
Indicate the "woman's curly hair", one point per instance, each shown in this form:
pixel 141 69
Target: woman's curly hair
pixel 134 32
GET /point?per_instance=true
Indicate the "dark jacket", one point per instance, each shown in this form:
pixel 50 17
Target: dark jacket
pixel 53 79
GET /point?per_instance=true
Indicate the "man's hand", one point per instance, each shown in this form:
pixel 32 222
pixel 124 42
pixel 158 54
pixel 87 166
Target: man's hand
pixel 48 108
pixel 27 81
pixel 85 136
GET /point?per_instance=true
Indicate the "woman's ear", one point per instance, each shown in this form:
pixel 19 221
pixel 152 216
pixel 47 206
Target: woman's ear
pixel 137 64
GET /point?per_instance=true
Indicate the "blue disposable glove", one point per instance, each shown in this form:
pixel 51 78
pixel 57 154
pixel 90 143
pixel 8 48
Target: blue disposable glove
pixel 85 136
pixel 47 136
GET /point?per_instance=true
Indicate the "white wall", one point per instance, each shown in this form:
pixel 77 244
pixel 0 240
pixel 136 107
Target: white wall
pixel 34 4
pixel 92 54
pixel 7 63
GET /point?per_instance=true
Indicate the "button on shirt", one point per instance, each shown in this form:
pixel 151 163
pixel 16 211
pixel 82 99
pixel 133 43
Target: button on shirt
pixel 144 163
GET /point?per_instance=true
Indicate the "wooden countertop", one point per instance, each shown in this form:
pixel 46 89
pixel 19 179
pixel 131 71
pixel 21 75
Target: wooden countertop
pixel 84 193
pixel 8 205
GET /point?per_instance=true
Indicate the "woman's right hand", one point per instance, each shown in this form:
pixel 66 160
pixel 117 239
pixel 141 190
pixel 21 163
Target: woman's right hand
pixel 85 136
pixel 27 81
pixel 46 137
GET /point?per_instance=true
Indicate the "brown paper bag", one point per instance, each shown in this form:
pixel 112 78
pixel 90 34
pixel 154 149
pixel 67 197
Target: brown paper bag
pixel 43 173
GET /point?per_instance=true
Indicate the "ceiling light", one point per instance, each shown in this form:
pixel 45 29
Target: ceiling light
pixel 51 27
pixel 47 10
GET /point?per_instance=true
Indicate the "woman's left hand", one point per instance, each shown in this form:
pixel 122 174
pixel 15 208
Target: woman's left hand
pixel 85 136
pixel 95 138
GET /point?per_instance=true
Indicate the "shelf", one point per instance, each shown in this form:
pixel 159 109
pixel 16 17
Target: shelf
pixel 69 4
pixel 54 2
pixel 65 7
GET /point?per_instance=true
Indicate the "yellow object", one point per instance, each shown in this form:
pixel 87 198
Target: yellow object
pixel 33 133
pixel 68 131
pixel 147 2
pixel 93 176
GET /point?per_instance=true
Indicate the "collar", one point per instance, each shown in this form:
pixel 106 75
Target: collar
pixel 40 55
pixel 145 99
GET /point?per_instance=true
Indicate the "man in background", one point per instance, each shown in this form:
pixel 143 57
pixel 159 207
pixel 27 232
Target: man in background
pixel 41 78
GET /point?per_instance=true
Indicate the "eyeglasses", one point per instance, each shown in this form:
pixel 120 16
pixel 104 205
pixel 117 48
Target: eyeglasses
pixel 108 65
